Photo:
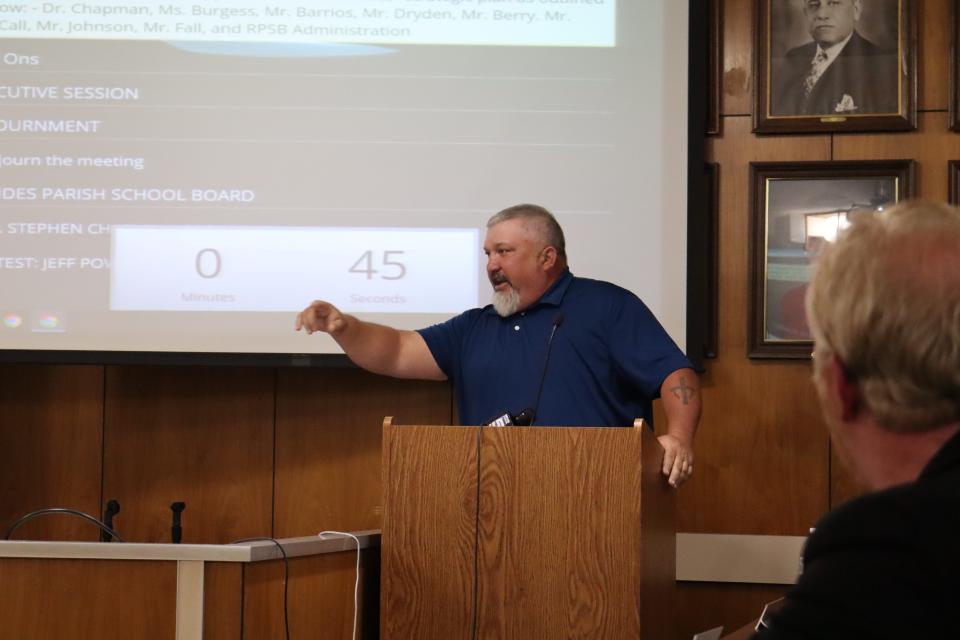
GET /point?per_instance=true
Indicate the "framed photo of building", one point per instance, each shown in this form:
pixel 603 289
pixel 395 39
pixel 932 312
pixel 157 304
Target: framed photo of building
pixel 796 210
pixel 835 65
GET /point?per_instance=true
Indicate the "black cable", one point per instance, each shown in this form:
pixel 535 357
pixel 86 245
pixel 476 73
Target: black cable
pixel 42 512
pixel 557 321
pixel 286 575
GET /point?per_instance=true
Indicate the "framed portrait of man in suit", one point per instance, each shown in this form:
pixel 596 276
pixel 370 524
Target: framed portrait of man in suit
pixel 834 65
pixel 797 209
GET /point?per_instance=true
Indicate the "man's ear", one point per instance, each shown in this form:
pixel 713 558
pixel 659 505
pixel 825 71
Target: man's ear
pixel 549 257
pixel 846 390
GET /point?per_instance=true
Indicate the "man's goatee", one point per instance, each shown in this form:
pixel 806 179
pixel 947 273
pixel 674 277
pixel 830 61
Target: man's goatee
pixel 505 303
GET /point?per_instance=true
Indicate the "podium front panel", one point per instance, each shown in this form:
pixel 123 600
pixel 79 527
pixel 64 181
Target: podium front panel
pixel 429 532
pixel 559 533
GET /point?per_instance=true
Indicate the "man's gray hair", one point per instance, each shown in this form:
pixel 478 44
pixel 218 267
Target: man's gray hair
pixel 549 228
pixel 885 299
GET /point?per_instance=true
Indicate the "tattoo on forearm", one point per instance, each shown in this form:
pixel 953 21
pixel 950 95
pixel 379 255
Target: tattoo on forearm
pixel 682 391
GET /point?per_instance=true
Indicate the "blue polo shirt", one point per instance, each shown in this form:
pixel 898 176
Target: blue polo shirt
pixel 609 357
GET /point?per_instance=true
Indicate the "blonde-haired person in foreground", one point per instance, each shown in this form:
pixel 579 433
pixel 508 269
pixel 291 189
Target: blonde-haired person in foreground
pixel 884 309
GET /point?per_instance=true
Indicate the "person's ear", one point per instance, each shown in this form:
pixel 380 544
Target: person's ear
pixel 548 258
pixel 846 389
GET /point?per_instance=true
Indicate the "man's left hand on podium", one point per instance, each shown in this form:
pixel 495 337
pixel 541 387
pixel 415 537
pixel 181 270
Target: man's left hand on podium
pixel 677 459
pixel 680 393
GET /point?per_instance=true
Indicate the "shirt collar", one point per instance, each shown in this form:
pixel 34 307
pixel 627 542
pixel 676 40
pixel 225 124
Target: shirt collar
pixel 554 295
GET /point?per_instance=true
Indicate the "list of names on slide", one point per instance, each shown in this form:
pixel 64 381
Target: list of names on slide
pixel 500 22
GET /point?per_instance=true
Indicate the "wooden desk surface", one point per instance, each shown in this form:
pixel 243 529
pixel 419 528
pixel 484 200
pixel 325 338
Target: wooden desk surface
pixel 239 552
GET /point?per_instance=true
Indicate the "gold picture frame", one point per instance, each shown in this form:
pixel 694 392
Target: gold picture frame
pixel 831 68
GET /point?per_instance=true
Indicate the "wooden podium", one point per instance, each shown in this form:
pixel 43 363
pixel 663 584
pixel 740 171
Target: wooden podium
pixel 525 532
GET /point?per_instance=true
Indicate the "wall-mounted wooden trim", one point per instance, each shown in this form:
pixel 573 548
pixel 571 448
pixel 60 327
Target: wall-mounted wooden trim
pixel 715 557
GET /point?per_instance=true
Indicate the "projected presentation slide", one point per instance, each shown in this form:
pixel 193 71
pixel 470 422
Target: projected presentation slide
pixel 187 176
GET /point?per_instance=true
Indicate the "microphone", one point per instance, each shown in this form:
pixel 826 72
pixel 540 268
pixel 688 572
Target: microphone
pixel 176 531
pixel 557 321
pixel 113 508
pixel 507 419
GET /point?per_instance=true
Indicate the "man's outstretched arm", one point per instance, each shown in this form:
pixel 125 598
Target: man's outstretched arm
pixel 374 347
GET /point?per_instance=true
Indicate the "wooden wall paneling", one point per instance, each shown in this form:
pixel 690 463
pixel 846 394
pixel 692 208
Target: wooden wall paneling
pixel 933 50
pixel 222 600
pixel 709 605
pixel 932 145
pixel 762 453
pixel 320 597
pixel 736 95
pixel 762 450
pixel 203 435
pixel 102 599
pixel 329 439
pixel 50 427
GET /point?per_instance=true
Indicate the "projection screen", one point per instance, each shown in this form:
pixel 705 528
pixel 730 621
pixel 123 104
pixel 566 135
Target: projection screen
pixel 184 177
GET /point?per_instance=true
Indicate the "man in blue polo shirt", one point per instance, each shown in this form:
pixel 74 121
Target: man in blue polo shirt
pixel 578 352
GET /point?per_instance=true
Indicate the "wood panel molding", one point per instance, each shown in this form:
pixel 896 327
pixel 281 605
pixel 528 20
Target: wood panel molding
pixel 762 449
